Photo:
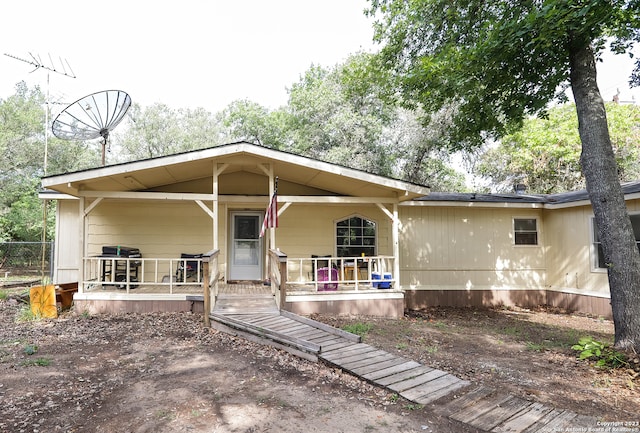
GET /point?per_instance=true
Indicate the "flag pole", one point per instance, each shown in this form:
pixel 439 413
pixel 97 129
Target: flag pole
pixel 272 232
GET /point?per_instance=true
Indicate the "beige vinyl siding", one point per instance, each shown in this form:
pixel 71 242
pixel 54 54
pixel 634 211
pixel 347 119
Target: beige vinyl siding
pixel 468 248
pixel 163 229
pixel 67 251
pixel 240 183
pixel 159 229
pixel 571 251
pixel 310 229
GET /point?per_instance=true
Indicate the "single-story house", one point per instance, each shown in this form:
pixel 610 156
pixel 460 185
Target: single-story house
pixel 132 235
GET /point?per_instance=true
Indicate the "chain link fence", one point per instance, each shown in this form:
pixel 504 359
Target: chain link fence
pixel 26 259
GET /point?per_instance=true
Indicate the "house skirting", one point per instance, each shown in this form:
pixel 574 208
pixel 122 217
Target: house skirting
pixel 381 303
pixel 591 303
pixel 88 304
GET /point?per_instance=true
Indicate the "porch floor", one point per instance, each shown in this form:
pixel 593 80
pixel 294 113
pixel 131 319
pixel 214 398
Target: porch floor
pixel 241 288
pixel 229 288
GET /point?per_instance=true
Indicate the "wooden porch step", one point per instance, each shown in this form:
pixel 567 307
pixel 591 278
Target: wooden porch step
pixel 246 304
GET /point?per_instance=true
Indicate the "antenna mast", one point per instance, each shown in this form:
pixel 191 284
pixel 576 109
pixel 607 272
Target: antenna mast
pixel 37 62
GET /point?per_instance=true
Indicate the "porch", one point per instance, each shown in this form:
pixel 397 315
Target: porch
pixel 329 285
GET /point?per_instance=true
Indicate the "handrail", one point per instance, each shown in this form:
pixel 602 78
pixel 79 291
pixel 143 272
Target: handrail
pixel 334 271
pixel 278 275
pixel 210 278
pixel 131 272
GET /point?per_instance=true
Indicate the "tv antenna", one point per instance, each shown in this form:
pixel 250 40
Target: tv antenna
pixel 65 70
pixel 39 64
pixel 93 116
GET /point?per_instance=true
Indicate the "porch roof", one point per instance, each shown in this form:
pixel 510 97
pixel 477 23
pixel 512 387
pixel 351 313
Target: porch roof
pixel 154 173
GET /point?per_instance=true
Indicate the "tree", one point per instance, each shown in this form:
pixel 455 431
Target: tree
pixel 161 130
pixel 501 61
pixel 22 137
pixel 337 115
pixel 419 153
pixel 250 121
pixel 336 121
pixel 545 153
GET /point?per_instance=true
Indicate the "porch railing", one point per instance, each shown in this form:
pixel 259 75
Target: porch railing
pixel 278 270
pixel 327 273
pixel 130 273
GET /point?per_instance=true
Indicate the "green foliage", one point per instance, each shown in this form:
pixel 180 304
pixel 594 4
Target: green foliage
pixel 248 121
pixel 30 349
pixel 339 119
pixel 22 152
pixel 165 414
pixel 419 150
pixel 25 314
pixel 360 329
pixel 603 355
pixel 545 153
pixel 431 350
pixel 535 347
pixel 495 63
pixel 338 115
pixel 22 216
pixel 159 130
pixel 39 362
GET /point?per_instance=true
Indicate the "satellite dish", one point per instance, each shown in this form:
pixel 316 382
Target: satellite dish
pixel 92 117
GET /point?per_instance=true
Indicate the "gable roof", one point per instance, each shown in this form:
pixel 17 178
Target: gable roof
pixel 145 175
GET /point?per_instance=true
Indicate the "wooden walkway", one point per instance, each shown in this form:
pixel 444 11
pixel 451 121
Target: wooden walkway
pixel 257 318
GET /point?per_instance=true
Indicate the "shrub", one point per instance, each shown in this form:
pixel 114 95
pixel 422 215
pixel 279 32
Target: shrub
pixel 604 355
pixel 360 329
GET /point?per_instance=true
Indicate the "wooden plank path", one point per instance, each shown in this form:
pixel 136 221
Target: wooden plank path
pixel 481 407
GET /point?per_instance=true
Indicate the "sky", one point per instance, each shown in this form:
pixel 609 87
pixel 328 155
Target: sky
pixel 193 53
pixel 186 54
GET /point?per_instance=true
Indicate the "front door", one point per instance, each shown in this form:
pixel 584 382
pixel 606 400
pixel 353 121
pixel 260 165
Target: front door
pixel 245 255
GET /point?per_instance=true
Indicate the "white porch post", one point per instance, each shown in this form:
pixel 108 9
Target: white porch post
pixel 268 170
pixel 272 230
pixel 82 241
pixel 217 171
pixel 396 245
pixel 215 206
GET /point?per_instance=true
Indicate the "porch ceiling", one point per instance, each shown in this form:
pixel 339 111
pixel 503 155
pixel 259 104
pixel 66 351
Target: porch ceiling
pixel 153 174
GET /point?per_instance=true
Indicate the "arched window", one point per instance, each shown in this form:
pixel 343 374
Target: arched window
pixel 355 236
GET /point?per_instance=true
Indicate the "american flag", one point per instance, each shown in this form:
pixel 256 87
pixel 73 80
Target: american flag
pixel 271 215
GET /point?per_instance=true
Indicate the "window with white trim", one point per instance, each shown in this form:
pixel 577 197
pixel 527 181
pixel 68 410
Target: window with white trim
pixel 598 254
pixel 525 231
pixel 355 236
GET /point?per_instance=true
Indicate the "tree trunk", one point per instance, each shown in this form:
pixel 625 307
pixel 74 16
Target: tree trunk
pixel 614 226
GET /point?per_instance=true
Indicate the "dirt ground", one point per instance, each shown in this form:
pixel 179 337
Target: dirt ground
pixel 167 373
pixel 526 353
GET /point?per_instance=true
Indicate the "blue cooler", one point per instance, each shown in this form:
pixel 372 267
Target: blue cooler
pixel 381 281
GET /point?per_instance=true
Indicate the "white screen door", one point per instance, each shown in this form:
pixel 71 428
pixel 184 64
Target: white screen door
pixel 246 246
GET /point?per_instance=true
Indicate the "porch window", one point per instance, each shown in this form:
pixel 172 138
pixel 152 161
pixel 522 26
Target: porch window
pixel 525 231
pixel 355 236
pixel 598 254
